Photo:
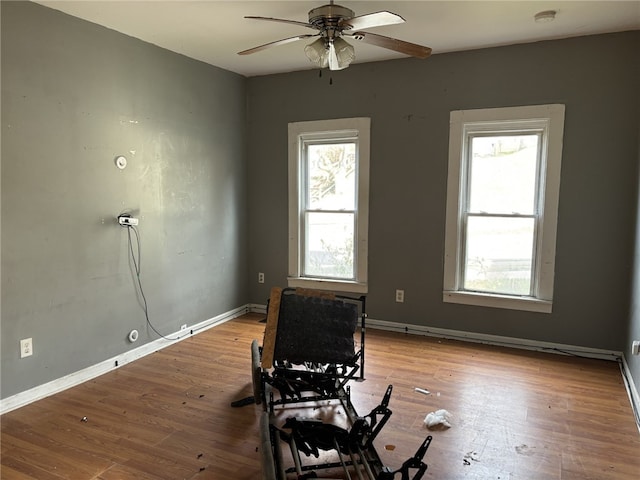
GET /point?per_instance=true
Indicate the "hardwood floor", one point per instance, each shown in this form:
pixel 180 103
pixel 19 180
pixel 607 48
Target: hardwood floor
pixel 516 414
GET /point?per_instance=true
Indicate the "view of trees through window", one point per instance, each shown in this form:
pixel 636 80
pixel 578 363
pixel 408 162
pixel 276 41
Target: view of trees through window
pixel 330 210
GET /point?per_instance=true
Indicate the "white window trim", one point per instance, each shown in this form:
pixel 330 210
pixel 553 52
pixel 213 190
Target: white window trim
pixel 297 130
pixel 460 122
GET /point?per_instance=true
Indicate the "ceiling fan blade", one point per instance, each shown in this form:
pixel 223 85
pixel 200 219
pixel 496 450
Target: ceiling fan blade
pixel 273 44
pixel 292 22
pixel 370 20
pixel 401 46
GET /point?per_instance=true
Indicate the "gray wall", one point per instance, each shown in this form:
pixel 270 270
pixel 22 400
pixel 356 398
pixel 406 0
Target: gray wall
pixel 75 95
pixel 409 102
pixel 634 316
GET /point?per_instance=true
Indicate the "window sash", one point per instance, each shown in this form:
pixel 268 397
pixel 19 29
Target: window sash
pixel 312 265
pixel 537 196
pixel 305 190
pixel 490 265
pixel 468 212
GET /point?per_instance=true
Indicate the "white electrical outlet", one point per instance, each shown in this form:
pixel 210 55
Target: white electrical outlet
pixel 26 347
pixel 635 347
pixel 183 327
pixel 400 296
pixel 260 277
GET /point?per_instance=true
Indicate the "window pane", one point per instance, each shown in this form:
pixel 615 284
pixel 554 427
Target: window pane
pixel 503 174
pixel 499 255
pixel 331 176
pixel 329 245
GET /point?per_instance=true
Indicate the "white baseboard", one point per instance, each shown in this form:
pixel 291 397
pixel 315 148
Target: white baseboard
pixel 76 378
pixel 632 390
pixel 497 340
pixel 257 308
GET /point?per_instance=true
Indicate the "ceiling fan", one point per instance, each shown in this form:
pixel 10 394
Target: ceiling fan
pixel 333 22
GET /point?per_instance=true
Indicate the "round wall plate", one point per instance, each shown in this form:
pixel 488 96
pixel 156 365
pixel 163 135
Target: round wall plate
pixel 133 335
pixel 121 162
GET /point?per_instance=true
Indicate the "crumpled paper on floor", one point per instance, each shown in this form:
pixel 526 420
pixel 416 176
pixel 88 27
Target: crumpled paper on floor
pixel 438 419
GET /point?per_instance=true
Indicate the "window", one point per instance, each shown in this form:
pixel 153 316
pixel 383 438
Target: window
pixel 328 204
pixel 502 203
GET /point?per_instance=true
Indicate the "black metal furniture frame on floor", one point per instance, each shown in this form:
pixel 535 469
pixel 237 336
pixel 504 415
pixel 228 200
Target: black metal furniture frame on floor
pixel 308 357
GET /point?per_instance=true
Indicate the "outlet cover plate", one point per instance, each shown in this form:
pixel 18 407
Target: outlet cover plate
pixel 26 347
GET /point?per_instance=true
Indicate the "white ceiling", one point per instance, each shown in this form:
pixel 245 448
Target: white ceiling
pixel 214 31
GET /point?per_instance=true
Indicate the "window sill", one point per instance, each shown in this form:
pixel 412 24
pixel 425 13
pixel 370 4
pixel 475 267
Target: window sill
pixel 526 304
pixel 330 285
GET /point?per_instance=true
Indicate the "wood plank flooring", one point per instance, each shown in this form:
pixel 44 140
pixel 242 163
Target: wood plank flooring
pixel 516 414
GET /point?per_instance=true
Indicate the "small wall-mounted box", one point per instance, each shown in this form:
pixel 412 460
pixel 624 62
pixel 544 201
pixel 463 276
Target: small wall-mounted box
pixel 127 221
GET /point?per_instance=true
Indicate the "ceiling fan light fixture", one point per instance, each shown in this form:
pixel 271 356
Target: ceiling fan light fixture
pixel 317 52
pixel 344 51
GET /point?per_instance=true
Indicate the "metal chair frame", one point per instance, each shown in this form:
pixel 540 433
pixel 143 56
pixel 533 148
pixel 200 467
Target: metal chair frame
pixel 308 382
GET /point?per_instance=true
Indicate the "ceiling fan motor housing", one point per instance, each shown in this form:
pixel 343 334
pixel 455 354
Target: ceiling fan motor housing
pixel 328 17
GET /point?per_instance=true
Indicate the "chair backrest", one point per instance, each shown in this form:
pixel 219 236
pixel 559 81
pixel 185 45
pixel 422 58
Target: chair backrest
pixel 315 329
